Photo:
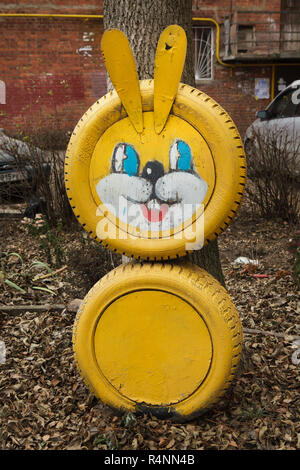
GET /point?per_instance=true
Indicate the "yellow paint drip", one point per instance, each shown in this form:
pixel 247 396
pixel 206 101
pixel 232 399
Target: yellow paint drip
pixel 153 347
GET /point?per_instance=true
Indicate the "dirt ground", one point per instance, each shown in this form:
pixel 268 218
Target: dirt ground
pixel 44 403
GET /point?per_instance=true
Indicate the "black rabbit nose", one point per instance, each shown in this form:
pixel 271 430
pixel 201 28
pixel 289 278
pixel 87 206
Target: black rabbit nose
pixel 153 171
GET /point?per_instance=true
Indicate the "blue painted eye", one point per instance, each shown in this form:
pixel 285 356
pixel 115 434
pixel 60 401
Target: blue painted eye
pixel 180 156
pixel 185 156
pixel 125 159
pixel 131 161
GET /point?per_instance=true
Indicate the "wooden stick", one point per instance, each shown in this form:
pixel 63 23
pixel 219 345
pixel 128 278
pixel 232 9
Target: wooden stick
pixel 18 309
pixel 37 278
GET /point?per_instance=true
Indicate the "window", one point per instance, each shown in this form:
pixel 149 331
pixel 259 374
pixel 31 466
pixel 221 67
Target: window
pixel 285 105
pixel 290 25
pixel 245 38
pixel 204 50
pixel 290 3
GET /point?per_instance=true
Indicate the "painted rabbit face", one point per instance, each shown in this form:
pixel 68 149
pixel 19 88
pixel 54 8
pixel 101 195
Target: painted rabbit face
pixel 152 197
pixel 155 178
pixel 154 182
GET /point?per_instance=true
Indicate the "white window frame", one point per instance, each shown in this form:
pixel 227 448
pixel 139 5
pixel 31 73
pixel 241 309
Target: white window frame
pixel 204 53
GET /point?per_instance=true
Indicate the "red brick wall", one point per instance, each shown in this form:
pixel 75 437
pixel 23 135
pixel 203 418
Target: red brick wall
pixel 88 7
pixel 234 90
pixel 53 68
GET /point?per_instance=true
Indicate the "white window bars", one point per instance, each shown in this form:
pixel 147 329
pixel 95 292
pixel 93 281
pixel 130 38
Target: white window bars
pixel 204 52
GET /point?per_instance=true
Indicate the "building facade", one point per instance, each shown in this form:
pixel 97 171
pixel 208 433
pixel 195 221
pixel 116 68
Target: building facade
pixel 51 69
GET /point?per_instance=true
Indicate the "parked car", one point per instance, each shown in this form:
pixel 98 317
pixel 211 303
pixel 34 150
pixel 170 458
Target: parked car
pixel 18 177
pixel 281 117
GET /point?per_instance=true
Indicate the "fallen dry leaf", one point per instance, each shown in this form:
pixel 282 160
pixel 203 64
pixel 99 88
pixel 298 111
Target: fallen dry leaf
pixel 44 403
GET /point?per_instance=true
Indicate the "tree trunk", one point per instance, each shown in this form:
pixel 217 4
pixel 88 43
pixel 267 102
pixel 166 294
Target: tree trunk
pixel 143 21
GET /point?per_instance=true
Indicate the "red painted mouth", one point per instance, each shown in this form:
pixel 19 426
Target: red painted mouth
pixel 155 215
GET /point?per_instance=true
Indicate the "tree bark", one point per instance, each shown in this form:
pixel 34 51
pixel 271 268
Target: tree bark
pixel 143 21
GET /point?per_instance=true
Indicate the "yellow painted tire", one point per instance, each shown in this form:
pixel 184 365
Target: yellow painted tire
pixel 158 338
pixel 220 160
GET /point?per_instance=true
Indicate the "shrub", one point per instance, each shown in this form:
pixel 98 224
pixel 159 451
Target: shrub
pixel 273 161
pixel 42 186
pixel 50 238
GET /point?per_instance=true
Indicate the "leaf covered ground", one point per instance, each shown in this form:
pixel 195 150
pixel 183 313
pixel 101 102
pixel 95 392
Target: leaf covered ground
pixel 44 404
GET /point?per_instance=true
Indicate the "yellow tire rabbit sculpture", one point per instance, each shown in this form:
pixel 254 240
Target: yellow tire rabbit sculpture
pixel 156 169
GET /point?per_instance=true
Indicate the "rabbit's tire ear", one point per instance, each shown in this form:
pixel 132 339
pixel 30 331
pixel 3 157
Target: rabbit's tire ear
pixel 158 338
pixel 198 157
pixel 169 63
pixel 121 66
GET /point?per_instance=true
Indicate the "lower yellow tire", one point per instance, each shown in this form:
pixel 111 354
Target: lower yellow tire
pixel 163 338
